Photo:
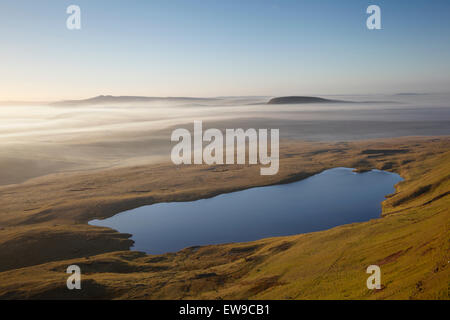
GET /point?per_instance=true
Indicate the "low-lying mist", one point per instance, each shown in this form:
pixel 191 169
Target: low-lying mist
pixel 41 139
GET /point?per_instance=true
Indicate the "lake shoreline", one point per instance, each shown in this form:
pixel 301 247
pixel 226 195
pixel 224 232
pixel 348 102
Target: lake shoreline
pixel 101 194
pixel 309 205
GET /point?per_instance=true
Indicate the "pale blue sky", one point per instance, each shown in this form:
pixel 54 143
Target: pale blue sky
pixel 212 48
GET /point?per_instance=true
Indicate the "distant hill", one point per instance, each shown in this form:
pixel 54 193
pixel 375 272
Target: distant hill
pixel 410 94
pixel 301 100
pixel 123 99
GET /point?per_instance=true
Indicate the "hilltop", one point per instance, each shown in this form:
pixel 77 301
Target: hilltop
pixel 302 100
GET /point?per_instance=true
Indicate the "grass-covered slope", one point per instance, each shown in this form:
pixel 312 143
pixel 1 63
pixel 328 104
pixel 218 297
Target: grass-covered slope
pixel 410 243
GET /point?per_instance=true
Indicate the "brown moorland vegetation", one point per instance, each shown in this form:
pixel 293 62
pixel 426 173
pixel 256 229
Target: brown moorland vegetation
pixel 43 229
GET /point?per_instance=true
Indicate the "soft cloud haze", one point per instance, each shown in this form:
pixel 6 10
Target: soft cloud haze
pixel 213 48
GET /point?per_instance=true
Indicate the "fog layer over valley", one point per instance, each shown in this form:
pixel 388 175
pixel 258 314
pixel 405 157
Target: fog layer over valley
pixel 42 139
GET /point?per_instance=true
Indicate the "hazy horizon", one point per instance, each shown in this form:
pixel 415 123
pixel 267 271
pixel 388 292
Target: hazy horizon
pixel 43 139
pixel 267 96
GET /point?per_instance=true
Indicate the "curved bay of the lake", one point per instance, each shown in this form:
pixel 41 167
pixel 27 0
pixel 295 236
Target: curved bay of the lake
pixel 333 197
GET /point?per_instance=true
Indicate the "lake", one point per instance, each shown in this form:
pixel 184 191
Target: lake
pixel 333 197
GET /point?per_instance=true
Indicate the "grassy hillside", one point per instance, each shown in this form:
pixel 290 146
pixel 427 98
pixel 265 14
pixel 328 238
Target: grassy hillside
pixel 410 242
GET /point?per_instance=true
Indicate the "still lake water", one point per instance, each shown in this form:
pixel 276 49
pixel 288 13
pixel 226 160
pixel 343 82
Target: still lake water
pixel 328 199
